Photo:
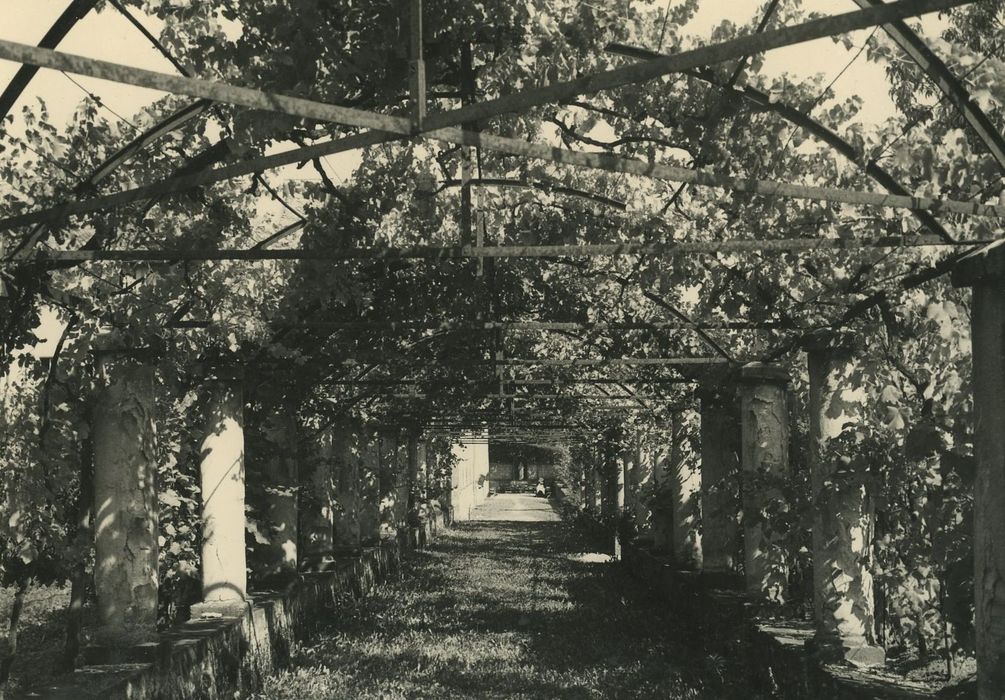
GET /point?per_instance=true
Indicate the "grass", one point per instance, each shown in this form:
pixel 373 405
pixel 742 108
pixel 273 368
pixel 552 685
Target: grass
pixel 507 610
pixel 42 631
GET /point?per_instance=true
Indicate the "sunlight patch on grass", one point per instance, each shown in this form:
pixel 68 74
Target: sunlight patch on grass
pixel 592 558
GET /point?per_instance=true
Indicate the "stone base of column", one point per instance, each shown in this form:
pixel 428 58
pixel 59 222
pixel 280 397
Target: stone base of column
pixel 121 645
pixel 114 654
pixel 858 653
pixel 216 609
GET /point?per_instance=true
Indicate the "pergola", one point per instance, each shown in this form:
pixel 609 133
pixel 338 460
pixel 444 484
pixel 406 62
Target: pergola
pixel 535 398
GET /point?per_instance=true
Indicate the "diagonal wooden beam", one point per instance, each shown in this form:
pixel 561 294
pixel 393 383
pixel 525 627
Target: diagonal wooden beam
pixel 74 12
pixel 948 84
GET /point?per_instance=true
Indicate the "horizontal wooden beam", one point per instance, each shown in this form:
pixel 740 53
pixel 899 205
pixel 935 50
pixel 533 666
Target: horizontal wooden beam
pixel 612 362
pixel 558 326
pixel 494 381
pixel 510 251
pixel 549 396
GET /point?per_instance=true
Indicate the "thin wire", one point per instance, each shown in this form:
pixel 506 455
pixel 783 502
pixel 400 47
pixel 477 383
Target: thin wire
pixel 820 97
pixel 98 101
pixel 663 31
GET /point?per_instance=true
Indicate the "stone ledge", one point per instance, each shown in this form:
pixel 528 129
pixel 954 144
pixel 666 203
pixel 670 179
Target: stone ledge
pixel 215 658
pixel 779 649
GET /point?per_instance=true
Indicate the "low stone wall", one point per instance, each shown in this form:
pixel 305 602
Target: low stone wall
pixel 217 658
pixel 778 651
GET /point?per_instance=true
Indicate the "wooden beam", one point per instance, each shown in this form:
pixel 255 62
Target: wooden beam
pixel 613 362
pixel 695 58
pixel 560 326
pixel 461 252
pixel 948 84
pixel 206 177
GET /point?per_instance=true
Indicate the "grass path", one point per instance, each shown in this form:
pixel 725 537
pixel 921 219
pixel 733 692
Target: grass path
pixel 506 609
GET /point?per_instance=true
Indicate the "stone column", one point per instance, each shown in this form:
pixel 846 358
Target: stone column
pixel 843 515
pixel 348 536
pixel 389 468
pixel 764 417
pixel 642 487
pixel 317 521
pixel 276 498
pixel 590 488
pixel 685 484
pixel 720 473
pixel 662 506
pixel 369 497
pixel 125 500
pixel 985 272
pixel 221 473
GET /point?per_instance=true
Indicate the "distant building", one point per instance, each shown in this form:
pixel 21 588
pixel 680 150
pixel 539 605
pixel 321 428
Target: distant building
pixel 519 466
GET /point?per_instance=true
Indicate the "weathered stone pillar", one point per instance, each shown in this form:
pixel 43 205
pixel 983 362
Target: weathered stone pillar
pixel 662 501
pixel 985 272
pixel 722 549
pixel 764 417
pixel 369 494
pixel 388 481
pixel 275 547
pixel 221 473
pixel 590 488
pixel 685 484
pixel 348 536
pixel 642 487
pixel 317 521
pixel 125 500
pixel 843 514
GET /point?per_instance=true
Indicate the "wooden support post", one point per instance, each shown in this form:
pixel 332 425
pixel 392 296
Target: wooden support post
pixel 274 475
pixel 685 484
pixel 985 273
pixel 843 599
pixel 125 500
pixel 316 505
pixel 722 550
pixel 221 473
pixel 764 417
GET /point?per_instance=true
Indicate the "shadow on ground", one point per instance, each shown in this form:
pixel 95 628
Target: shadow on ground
pixel 507 610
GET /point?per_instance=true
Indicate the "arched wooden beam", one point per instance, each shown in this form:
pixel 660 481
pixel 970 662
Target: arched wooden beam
pixel 806 122
pixel 953 90
pixel 57 32
pixel 122 156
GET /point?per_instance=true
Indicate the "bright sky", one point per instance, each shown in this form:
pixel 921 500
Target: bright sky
pixel 107 35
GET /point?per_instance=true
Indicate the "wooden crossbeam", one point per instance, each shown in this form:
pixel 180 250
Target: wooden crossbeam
pixel 559 326
pixel 539 251
pixel 507 397
pixel 619 361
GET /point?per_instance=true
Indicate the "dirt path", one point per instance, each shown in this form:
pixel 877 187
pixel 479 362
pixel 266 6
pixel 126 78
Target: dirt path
pixel 514 605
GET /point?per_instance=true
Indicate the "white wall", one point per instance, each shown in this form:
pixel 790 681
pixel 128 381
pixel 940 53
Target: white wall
pixel 469 480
